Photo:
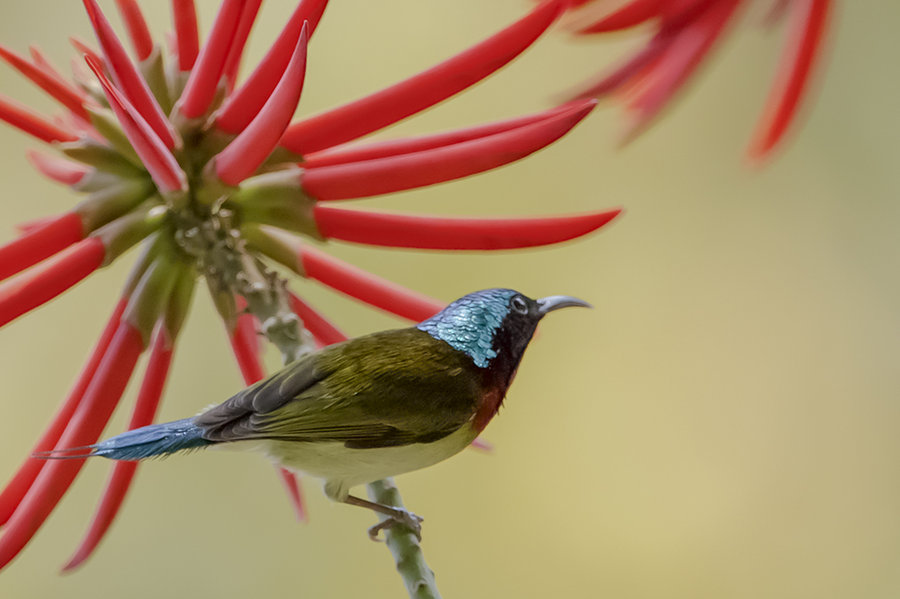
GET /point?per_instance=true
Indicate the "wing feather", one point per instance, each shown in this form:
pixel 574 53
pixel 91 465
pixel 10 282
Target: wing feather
pixel 385 389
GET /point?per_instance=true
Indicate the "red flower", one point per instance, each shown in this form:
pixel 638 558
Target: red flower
pixel 213 180
pixel 684 32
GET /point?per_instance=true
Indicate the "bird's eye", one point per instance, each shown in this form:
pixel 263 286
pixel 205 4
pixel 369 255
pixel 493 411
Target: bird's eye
pixel 519 305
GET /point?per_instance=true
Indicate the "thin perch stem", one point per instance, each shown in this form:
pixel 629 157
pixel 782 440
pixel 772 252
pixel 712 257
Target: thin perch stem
pixel 404 545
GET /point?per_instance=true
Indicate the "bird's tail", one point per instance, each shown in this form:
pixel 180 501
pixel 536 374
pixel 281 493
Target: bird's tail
pixel 145 442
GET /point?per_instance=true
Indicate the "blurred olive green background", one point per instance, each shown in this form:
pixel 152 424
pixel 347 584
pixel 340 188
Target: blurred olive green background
pixel 724 424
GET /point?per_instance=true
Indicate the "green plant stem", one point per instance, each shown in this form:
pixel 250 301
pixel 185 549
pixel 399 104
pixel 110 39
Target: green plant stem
pixel 267 300
pixel 404 545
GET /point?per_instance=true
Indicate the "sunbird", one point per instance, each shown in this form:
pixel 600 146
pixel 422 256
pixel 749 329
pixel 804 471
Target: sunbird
pixel 371 407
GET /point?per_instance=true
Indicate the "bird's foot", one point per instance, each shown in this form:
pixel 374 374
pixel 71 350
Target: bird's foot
pixel 398 516
pixel 395 516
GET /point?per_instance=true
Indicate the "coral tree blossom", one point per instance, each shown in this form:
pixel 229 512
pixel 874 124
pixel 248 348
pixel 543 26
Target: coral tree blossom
pixel 213 180
pixel 684 32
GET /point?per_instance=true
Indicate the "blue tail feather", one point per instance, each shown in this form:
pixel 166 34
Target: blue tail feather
pixel 151 441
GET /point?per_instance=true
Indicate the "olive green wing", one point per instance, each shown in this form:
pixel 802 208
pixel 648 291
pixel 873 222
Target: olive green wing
pixel 229 420
pixel 386 389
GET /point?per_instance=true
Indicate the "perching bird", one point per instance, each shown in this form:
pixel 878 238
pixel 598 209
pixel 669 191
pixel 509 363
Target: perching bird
pixel 371 407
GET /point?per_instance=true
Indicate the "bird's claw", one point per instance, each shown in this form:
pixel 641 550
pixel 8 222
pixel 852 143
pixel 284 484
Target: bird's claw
pixel 402 517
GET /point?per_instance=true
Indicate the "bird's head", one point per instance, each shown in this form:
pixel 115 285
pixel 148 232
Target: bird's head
pixel 494 326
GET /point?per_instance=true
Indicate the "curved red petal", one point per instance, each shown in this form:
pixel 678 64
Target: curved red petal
pixel 322 329
pixel 420 91
pixel 63 93
pixel 629 15
pixel 434 233
pixel 85 427
pixel 675 13
pixel 410 145
pixel 245 344
pixel 187 38
pixel 629 71
pixel 120 478
pixel 241 33
pixel 681 57
pixel 247 151
pixel 201 85
pixel 23 119
pixel 244 104
pixel 34 289
pixel 141 40
pixel 31 225
pixel 158 160
pixel 58 169
pixel 367 287
pixel 809 19
pixel 84 49
pixel 482 445
pixel 397 173
pixel 42 62
pixel 41 243
pixel 127 78
pixel 292 487
pixel 25 476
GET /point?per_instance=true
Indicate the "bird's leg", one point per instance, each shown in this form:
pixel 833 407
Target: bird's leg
pixel 395 515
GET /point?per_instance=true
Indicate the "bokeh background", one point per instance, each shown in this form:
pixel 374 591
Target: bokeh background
pixel 724 424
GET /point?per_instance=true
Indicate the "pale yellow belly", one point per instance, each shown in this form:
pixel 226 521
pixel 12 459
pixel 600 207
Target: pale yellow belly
pixel 343 468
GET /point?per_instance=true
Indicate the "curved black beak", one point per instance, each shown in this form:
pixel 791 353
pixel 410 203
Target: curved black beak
pixel 555 302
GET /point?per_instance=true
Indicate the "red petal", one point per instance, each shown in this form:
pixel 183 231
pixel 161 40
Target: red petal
pixel 41 243
pixel 428 232
pixel 31 225
pixel 141 40
pixel 482 445
pixel 249 149
pixel 63 93
pixel 420 91
pixel 777 10
pixel 244 342
pixel 629 15
pixel 86 50
pixel 42 62
pixel 21 118
pixel 188 40
pixel 320 327
pixel 241 106
pixel 396 147
pixel 675 13
pixel 33 289
pixel 25 476
pixel 809 19
pixel 120 479
pixel 58 169
pixel 396 173
pixel 236 51
pixel 629 71
pixel 127 77
pixel 366 287
pixel 682 56
pixel 85 428
pixel 158 160
pixel 292 486
pixel 201 86
pixel 246 349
